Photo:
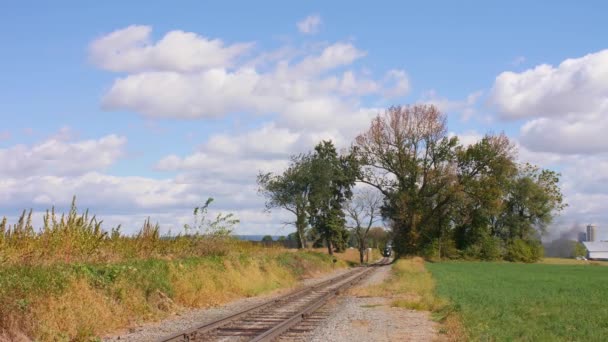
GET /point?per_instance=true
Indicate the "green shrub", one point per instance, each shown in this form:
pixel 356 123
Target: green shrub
pixel 524 251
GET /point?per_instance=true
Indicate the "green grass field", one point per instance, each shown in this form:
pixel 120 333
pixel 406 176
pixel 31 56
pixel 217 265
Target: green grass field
pixel 526 302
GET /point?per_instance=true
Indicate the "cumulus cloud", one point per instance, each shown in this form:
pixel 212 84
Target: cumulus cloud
pixel 400 83
pixel 566 106
pixel 131 50
pixel 58 157
pixel 268 141
pixel 310 24
pixel 303 88
pixel 465 107
pixel 587 135
pixel 577 85
pixel 216 92
pixel 302 95
pixel 468 137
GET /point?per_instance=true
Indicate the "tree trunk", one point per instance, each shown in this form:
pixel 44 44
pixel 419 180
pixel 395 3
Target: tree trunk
pixel 330 249
pixel 301 241
pixel 300 228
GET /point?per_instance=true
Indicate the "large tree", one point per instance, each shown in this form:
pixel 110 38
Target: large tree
pixel 441 196
pixel 290 191
pixel 407 155
pixel 485 170
pixel 331 186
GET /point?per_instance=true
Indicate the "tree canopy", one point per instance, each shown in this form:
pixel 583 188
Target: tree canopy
pixel 438 197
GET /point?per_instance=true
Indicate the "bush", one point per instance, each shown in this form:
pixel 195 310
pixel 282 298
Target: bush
pixel 444 249
pixel 491 248
pixel 524 251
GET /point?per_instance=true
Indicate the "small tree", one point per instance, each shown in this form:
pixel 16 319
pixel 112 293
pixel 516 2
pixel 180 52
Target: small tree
pixel 579 250
pixel 267 239
pixel 363 211
pixel 290 191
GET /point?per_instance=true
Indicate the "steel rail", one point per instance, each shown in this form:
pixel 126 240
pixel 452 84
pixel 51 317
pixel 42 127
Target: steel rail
pixel 279 329
pixel 193 333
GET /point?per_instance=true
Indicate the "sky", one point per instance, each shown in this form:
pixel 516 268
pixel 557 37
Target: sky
pixel 146 108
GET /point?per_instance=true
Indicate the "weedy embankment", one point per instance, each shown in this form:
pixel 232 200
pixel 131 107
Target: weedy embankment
pixel 70 280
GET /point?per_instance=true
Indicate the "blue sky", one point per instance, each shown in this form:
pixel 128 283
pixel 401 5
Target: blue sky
pixel 65 91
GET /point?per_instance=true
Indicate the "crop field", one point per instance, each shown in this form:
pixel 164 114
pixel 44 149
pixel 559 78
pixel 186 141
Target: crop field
pixel 526 302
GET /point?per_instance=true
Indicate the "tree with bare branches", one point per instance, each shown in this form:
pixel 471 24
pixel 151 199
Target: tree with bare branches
pixel 363 211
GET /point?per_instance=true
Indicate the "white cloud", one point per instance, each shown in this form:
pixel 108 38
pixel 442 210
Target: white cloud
pixel 333 56
pixel 269 141
pixel 577 85
pixel 567 105
pixel 586 135
pixel 310 24
pixel 129 200
pixel 5 135
pixel 400 83
pixel 308 92
pixel 131 50
pixel 59 157
pixel 465 107
pixel 467 138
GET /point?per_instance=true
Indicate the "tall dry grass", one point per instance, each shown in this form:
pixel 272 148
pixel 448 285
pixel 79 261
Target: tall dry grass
pixel 79 238
pixel 70 280
pixel 80 301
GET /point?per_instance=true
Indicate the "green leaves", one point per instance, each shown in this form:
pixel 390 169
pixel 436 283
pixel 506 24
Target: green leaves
pixel 290 191
pixel 221 226
pixel 437 191
pixel 331 186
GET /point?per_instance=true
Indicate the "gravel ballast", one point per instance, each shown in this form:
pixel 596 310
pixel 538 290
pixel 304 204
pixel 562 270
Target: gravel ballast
pixel 191 318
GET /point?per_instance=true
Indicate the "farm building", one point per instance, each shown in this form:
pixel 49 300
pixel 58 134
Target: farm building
pixel 596 249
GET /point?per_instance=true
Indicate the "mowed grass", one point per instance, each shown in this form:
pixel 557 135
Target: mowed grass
pixel 526 302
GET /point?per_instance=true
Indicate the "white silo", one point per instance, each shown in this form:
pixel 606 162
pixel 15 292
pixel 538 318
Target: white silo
pixel 591 232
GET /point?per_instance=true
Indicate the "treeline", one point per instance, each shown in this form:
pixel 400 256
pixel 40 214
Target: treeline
pixel 440 198
pixel 377 237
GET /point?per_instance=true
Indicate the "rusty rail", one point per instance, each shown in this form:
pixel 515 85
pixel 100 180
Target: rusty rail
pixel 267 334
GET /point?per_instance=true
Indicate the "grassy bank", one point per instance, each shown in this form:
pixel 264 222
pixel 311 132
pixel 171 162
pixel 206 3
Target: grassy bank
pixel 526 302
pixel 78 301
pixel 412 286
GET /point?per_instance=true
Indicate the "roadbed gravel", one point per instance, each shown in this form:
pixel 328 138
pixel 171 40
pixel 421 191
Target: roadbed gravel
pixel 190 318
pixel 351 319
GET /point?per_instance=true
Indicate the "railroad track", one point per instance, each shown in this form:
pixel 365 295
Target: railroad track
pixel 269 320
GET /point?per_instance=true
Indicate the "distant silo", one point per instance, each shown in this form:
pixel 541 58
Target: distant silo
pixel 591 232
pixel 582 236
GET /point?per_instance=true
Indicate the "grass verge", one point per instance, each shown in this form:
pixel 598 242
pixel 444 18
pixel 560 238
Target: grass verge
pixel 411 286
pixel 77 302
pixel 526 302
